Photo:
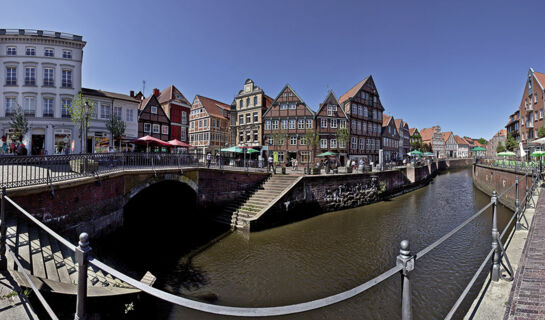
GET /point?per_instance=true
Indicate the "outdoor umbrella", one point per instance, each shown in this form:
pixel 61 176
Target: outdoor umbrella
pixel 178 143
pixel 325 154
pixel 479 149
pixel 232 149
pixel 538 153
pixel 147 140
pixel 428 154
pixel 415 153
pixel 506 154
pixel 250 150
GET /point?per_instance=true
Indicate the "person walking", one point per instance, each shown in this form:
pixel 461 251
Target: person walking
pixel 208 159
pixel 270 163
pixel 295 164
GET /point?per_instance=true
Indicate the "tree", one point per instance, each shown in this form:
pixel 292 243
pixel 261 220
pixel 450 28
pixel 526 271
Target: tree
pixel 312 141
pixel 81 109
pixel 19 123
pixel 116 127
pixel 500 147
pixel 482 141
pixel 343 136
pixel 510 143
pixel 541 132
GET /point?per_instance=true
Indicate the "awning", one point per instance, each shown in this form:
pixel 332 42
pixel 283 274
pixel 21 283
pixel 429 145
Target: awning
pixel 149 140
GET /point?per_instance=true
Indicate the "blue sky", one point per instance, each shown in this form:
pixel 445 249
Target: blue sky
pixel 459 64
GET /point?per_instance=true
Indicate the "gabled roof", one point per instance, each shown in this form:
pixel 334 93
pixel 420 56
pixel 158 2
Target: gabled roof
pixel 386 119
pixel 399 123
pixel 446 135
pixel 214 107
pixel 412 131
pixel 170 94
pixel 460 140
pixel 353 90
pixel 107 94
pixel 330 99
pixel 427 134
pixel 287 86
pixel 540 78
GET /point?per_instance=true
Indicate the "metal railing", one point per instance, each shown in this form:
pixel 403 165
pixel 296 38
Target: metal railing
pixel 404 265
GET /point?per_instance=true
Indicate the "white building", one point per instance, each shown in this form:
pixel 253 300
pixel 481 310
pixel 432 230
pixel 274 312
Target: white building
pixel 463 147
pixel 41 71
pixel 107 104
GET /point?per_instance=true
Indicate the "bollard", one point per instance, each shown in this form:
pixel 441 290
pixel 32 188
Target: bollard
pixel 496 265
pixel 3 230
pixel 517 205
pixel 406 261
pixel 82 254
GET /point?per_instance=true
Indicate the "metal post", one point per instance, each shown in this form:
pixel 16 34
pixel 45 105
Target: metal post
pixel 495 247
pixel 82 253
pixel 3 230
pixel 406 261
pixel 517 205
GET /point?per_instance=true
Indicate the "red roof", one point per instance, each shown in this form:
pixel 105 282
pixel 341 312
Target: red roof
pixel 398 124
pixel 411 131
pixel 540 77
pixel 353 90
pixel 169 94
pixel 385 120
pixel 460 140
pixel 446 135
pixel 214 107
pixel 427 134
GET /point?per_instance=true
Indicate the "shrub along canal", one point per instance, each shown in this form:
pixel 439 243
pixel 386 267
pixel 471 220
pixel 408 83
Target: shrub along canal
pixel 317 257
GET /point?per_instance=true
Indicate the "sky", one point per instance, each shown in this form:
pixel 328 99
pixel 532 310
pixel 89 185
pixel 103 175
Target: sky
pixel 458 64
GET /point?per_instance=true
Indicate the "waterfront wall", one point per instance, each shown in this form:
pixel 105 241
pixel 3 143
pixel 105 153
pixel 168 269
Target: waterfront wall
pixel 488 179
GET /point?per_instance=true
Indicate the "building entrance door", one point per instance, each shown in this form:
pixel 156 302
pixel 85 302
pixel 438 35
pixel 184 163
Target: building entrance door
pixel 37 143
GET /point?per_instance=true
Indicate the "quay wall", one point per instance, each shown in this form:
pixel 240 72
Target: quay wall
pixel 488 179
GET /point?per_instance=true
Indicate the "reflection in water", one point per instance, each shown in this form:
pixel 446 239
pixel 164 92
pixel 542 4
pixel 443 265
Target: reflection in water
pixel 334 252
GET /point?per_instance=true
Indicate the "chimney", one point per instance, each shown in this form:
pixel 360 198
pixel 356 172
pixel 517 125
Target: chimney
pixel 156 92
pixel 132 93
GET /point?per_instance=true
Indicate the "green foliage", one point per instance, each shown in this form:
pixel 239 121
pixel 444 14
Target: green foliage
pixel 500 147
pixel 510 143
pixel 343 135
pixel 426 148
pixel 416 144
pixel 483 141
pixel 19 123
pixel 81 109
pixel 541 132
pixel 116 127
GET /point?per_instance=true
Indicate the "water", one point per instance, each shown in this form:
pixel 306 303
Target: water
pixel 331 253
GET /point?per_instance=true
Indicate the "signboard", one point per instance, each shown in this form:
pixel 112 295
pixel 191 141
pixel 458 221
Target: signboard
pixel 275 156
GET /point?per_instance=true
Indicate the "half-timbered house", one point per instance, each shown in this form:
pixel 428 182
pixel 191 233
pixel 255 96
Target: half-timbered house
pixel 152 119
pixel 332 128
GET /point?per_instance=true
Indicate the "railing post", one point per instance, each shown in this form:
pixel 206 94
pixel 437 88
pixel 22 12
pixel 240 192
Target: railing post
pixel 82 254
pixel 406 261
pixel 3 230
pixel 495 247
pixel 517 205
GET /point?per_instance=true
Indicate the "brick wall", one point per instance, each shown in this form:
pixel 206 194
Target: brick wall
pixel 488 179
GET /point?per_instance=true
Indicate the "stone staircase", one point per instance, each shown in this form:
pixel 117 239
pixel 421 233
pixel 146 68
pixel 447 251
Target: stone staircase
pixel 253 203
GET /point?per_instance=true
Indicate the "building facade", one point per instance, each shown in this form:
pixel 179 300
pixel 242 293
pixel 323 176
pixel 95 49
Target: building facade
pixel 332 128
pixel 209 125
pixel 41 72
pixel 513 126
pixel 363 107
pixel 177 109
pixel 415 139
pixel 451 146
pixel 288 122
pixel 152 119
pixel 531 107
pixel 433 139
pixel 404 138
pixel 491 147
pixel 390 139
pixel 246 115
pixel 108 104
pixel 463 147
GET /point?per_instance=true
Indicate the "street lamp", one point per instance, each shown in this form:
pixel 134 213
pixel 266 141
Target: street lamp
pixel 85 120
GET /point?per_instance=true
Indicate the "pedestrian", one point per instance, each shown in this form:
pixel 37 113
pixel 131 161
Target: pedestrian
pixel 217 159
pixel 361 164
pixel 270 166
pixel 295 163
pixel 208 159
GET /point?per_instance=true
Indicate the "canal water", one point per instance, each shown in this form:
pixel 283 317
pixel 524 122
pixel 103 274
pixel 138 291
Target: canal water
pixel 323 256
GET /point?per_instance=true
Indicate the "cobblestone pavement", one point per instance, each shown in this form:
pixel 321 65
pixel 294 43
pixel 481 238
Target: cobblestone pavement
pixel 527 298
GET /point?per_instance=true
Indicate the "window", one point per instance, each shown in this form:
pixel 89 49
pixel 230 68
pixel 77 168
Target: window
pixel 275 124
pixel 247 102
pixel 147 127
pixel 284 106
pixel 49 52
pixel 303 141
pixel 342 124
pixel 331 110
pixel 164 129
pixel 354 109
pixel 323 143
pixel 255 136
pixel 30 76
pixel 48 77
pixel 359 128
pixel 241 119
pixel 11 51
pixel 205 123
pixel 342 144
pixel 535 97
pixel 130 115
pixel 292 124
pixel 29 105
pixel 48 107
pixel 248 118
pixel 270 141
pixel 293 140
pixel 255 117
pixel 362 143
pixel 154 109
pixel 333 143
pixel 255 100
pixel 305 156
pixel 10 104
pixel 241 103
pixel 360 110
pixel 323 123
pixel 118 112
pixel 301 124
pixel 375 114
pixel 248 135
pixel 184 117
pixel 354 143
pixel 293 106
pixel 30 51
pixel 281 154
pixel 365 112
pixel 67 78
pixel 67 54
pixel 11 76
pixel 309 123
pixel 241 136
pixel 105 111
pixel 65 107
pixel 268 125
pixel 333 123
pixel 155 128
pixel 284 124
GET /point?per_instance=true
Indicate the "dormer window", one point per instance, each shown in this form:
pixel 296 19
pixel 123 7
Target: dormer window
pixel 154 110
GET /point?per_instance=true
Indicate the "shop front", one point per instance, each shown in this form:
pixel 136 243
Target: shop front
pixel 63 138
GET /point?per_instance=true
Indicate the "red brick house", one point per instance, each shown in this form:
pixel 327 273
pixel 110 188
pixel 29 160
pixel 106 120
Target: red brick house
pixel 363 107
pixel 390 139
pixel 177 109
pixel 209 125
pixel 152 119
pixel 287 122
pixel 331 120
pixel 532 107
